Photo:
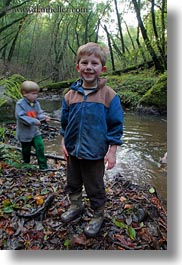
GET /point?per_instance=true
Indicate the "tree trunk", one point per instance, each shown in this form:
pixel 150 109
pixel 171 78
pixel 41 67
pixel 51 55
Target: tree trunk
pixel 140 47
pixel 158 42
pixel 119 26
pixel 129 35
pixel 14 41
pixel 158 65
pixel 164 4
pixel 110 48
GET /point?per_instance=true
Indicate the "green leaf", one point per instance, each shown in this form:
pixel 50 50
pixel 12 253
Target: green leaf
pixel 8 209
pixel 132 232
pixel 119 224
pixel 141 224
pixel 66 242
pixel 152 190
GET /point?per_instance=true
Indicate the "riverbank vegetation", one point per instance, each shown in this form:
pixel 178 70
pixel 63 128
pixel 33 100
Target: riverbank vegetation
pixel 39 42
pixel 137 92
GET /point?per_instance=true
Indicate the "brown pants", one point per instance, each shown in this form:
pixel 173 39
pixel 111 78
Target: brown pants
pixel 89 173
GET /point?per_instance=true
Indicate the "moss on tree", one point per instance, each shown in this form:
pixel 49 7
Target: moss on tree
pixel 157 94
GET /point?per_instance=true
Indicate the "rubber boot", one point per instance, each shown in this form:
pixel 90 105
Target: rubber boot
pixel 95 223
pixel 75 210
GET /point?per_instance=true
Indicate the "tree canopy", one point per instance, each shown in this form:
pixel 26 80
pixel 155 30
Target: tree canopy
pixel 39 39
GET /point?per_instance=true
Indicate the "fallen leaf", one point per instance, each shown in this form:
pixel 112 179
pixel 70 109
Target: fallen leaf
pixel 39 200
pixel 79 240
pixel 128 206
pixel 129 220
pixel 35 248
pixel 9 231
pixel 132 232
pixel 122 199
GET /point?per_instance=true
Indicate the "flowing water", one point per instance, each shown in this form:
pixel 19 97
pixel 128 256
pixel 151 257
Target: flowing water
pixel 144 142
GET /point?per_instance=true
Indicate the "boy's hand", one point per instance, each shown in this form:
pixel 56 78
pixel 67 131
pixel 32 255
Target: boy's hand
pixel 110 157
pixel 47 119
pixel 64 150
pixel 38 123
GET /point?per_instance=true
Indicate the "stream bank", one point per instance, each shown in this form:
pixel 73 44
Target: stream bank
pixel 135 216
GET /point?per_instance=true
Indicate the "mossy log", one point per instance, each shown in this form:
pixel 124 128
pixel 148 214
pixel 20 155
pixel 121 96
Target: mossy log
pixel 58 86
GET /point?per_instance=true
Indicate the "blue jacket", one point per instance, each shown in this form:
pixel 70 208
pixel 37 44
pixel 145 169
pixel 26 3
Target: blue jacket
pixel 90 123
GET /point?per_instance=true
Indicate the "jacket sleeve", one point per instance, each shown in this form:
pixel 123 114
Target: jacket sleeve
pixel 115 119
pixel 40 114
pixel 64 116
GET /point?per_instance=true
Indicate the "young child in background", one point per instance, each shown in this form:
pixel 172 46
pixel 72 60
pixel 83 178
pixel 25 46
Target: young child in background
pixel 29 115
pixel 92 127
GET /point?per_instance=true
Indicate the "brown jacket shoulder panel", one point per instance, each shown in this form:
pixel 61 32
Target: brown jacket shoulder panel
pixel 72 97
pixel 103 95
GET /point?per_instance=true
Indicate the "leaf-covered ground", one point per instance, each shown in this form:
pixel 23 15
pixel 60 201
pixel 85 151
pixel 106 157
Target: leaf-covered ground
pixel 134 218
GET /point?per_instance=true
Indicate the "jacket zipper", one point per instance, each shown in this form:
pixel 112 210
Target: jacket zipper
pixel 80 127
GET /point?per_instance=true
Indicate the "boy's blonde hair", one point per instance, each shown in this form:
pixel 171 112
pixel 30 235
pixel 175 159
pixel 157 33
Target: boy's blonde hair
pixel 29 86
pixel 92 48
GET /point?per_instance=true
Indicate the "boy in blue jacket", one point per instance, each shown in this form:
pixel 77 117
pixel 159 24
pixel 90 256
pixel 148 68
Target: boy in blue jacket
pixel 92 127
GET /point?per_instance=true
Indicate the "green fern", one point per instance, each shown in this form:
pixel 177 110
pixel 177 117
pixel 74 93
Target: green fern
pixel 12 90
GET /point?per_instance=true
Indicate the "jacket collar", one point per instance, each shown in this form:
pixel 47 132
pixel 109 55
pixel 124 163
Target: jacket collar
pixel 77 86
pixel 32 104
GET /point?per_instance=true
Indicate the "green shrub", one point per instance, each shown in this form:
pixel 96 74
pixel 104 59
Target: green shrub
pixel 129 98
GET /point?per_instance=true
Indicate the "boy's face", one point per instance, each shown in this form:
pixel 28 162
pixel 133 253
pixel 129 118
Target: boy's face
pixel 89 68
pixel 31 96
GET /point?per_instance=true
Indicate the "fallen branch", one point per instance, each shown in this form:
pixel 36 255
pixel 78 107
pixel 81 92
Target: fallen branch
pixel 55 157
pixel 40 212
pixel 56 120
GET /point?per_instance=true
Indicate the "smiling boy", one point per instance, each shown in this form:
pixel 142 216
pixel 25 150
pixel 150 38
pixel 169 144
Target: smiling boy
pixel 92 127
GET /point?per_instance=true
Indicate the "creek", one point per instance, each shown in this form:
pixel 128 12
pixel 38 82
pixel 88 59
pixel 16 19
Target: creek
pixel 144 142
